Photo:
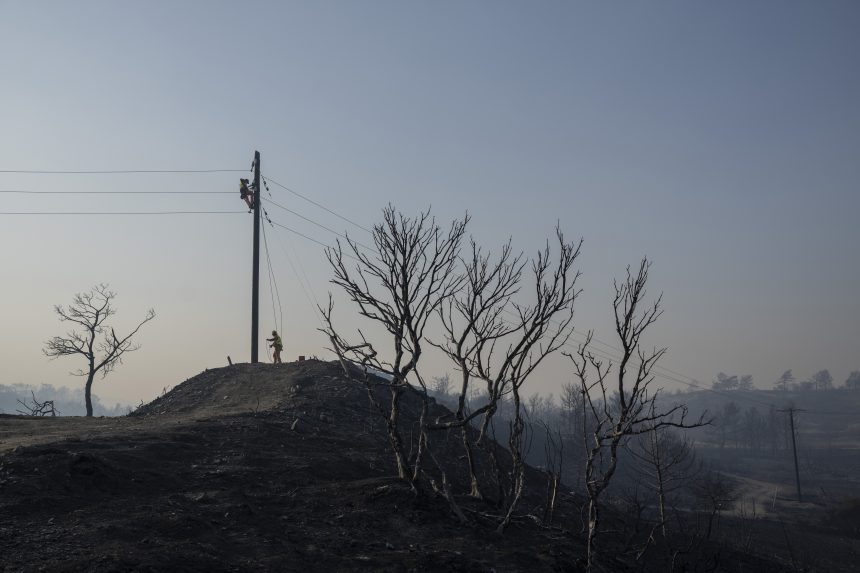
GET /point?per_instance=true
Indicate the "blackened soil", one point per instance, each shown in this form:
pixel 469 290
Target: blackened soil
pixel 269 468
pixel 247 468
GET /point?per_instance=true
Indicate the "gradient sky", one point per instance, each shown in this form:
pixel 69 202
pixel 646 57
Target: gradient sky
pixel 722 139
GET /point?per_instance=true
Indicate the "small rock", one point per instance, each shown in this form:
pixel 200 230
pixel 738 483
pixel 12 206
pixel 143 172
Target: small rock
pixel 388 545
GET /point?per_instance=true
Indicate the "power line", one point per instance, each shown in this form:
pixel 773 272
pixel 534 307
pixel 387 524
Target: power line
pixel 323 207
pixel 19 191
pixel 122 212
pixel 273 285
pixel 307 290
pixel 320 225
pixel 119 171
pixel 276 224
pixel 832 413
pixel 322 244
pixel 306 280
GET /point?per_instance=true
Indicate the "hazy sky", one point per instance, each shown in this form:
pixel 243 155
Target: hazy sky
pixel 722 139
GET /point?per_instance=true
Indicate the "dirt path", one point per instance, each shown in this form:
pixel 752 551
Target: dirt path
pixel 758 498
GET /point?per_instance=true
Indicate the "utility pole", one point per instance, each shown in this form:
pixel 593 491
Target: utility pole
pixel 255 287
pixel 791 412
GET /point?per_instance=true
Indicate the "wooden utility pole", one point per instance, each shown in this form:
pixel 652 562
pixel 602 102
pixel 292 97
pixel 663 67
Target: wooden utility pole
pixel 255 288
pixel 791 412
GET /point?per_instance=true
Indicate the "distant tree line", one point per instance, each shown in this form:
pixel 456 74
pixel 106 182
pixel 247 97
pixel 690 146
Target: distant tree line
pixel 821 380
pixel 734 382
pixel 67 401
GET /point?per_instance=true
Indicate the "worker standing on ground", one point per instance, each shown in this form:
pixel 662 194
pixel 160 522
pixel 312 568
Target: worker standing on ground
pixel 277 345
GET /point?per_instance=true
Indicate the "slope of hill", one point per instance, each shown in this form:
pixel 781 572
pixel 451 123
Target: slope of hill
pixel 253 468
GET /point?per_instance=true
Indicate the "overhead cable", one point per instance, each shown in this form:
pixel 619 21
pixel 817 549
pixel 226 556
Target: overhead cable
pixel 323 207
pixel 320 225
pixel 27 192
pixel 121 212
pixel 119 171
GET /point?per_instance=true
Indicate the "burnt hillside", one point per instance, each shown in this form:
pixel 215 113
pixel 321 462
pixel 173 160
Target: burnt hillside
pixel 250 467
pixel 257 468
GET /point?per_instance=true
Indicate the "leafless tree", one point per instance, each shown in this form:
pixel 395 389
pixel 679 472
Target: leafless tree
pixel 501 351
pixel 91 337
pixel 714 493
pixel 784 382
pixel 442 384
pixel 37 408
pixel 571 407
pixel 415 274
pixel 399 287
pixel 666 461
pixel 632 409
pixel 540 407
pixel 472 323
pixel 822 380
pixel 554 456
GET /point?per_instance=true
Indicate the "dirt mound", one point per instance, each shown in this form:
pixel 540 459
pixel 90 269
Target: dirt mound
pixel 242 388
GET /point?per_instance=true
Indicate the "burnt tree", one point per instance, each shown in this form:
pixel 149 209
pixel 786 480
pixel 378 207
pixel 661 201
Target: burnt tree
pixel 91 337
pixel 625 406
pixel 399 287
pixel 500 352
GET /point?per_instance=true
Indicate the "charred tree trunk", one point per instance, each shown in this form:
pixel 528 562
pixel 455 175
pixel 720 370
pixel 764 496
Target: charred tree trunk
pixel 474 487
pixel 88 389
pixel 517 464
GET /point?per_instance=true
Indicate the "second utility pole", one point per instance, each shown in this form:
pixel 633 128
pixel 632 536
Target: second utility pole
pixel 791 410
pixel 255 288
